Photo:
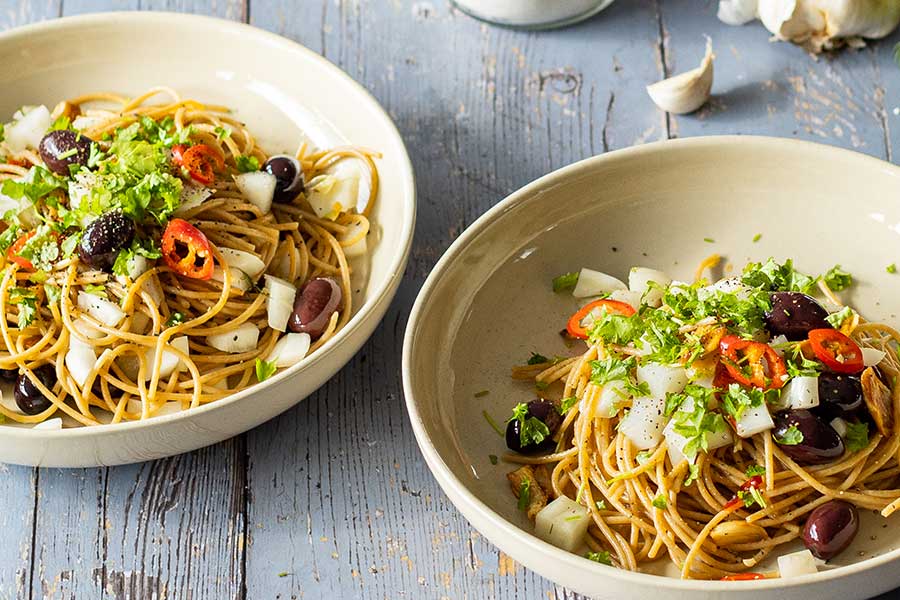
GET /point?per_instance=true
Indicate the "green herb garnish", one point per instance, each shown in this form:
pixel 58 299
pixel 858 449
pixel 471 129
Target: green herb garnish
pixel 754 470
pixel 493 458
pixel 857 436
pixel 524 494
pixel 566 404
pixel 532 431
pixel 660 502
pixel 837 318
pixel 537 359
pixel 492 423
pixel 791 437
pixel 265 369
pixel 891 268
pixel 246 164
pixel 837 279
pixel 567 281
pixel 601 557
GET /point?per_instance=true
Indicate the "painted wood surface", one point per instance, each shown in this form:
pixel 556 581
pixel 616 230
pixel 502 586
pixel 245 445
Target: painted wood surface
pixel 332 499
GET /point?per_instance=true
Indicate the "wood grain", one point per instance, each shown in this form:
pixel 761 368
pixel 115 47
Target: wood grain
pixel 333 499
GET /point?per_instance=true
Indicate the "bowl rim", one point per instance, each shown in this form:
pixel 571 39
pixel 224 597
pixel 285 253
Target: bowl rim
pixel 479 513
pixel 377 297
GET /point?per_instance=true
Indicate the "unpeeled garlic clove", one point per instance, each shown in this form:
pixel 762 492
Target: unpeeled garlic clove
pixel 686 92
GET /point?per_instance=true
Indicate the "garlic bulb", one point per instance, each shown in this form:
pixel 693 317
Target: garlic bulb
pixel 688 91
pixel 817 24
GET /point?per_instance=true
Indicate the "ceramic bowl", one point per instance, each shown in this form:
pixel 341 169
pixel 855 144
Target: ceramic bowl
pixel 282 91
pixel 488 303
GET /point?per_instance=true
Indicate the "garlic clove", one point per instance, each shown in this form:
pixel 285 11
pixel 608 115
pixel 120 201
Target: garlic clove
pixel 688 91
pixel 737 12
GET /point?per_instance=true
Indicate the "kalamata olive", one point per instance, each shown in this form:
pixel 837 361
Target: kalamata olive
pixel 545 412
pixel 315 303
pixel 820 443
pixel 840 396
pixel 9 374
pixel 29 398
pixel 104 238
pixel 288 176
pixel 62 147
pixel 830 528
pixel 794 314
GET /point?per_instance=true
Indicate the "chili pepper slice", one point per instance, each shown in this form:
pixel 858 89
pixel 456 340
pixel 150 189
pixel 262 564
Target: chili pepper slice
pixel 613 307
pixel 749 576
pixel 200 161
pixel 186 250
pixel 12 253
pixel 836 350
pixel 752 363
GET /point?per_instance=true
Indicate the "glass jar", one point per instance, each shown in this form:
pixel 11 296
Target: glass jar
pixel 532 14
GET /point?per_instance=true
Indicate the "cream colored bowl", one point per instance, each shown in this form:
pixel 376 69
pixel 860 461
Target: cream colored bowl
pixel 282 91
pixel 488 303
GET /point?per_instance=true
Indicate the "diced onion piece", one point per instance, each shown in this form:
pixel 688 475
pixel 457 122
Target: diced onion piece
pixel 153 289
pixel 290 349
pixel 594 283
pixel 644 423
pixel 170 361
pixel 86 329
pixel 246 262
pixel 612 396
pixel 675 442
pixel 639 279
pixel 801 392
pixel 840 426
pixel 192 196
pixel 628 297
pixel 796 564
pixel 280 302
pixel 241 339
pixel 563 523
pixel 54 424
pixel 778 340
pixel 82 122
pixel 345 186
pixel 80 359
pixel 662 379
pixel 29 129
pixel 731 285
pixel 872 356
pixel 258 188
pixel 754 420
pixel 101 309
pixel 137 265
pixel 239 280
pixel 360 246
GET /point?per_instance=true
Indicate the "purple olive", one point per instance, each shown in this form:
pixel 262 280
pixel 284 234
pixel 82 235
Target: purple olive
pixel 9 374
pixel 819 442
pixel 314 305
pixel 794 315
pixel 840 396
pixel 28 397
pixel 830 528
pixel 288 176
pixel 62 148
pixel 544 411
pixel 104 238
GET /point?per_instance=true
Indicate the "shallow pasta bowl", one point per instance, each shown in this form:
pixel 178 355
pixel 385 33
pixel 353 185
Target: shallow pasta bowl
pixel 283 92
pixel 488 303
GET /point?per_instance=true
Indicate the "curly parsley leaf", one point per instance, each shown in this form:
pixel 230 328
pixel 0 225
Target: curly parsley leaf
pixel 791 436
pixel 265 369
pixel 532 431
pixel 566 404
pixel 246 164
pixel 26 301
pixel 837 279
pixel 38 183
pixel 42 248
pixel 776 277
pixel 737 399
pixel 567 281
pixel 755 470
pixel 857 436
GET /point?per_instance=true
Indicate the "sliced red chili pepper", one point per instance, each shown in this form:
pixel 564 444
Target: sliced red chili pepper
pixel 613 307
pixel 744 577
pixel 200 161
pixel 186 250
pixel 836 350
pixel 752 363
pixel 12 253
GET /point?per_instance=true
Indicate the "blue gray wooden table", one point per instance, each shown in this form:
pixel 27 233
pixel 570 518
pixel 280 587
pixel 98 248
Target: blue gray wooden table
pixel 332 500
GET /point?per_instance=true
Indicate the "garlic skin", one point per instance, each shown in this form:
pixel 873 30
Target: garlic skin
pixel 817 24
pixel 688 91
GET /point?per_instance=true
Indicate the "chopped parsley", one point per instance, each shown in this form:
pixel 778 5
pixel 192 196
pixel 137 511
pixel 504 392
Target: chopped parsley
pixel 737 399
pixel 757 237
pixel 490 420
pixel 96 290
pixel 709 240
pixel 26 300
pixel 68 246
pixel 693 475
pixel 283 574
pixel 752 496
pixel 532 431
pixel 643 456
pixel 837 279
pixel 41 249
pixel 798 365
pixel 246 164
pixel 265 369
pixel 524 494
pixel 222 133
pixel 755 470
pixel 857 436
pixel 537 359
pixel 660 502
pixel 53 293
pixel 8 237
pixel 176 318
pixel 891 268
pixel 836 319
pixel 601 557
pixel 146 248
pixel 566 281
pixel 61 122
pixel 541 385
pixel 566 404
pixel 693 420
pixel 38 183
pixel 493 458
pixel 776 277
pixel 600 504
pixel 791 437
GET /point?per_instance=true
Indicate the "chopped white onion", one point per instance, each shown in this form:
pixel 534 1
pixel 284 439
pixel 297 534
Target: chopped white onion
pixel 153 289
pixel 82 122
pixel 170 361
pixel 796 564
pixel 563 523
pixel 754 420
pixel 639 279
pixel 872 356
pixel 101 309
pixel 80 359
pixel 675 442
pixel 258 187
pixel 662 379
pixel 345 186
pixel 246 262
pixel 192 196
pixel 280 302
pixel 29 129
pixel 644 423
pixel 83 327
pixel 54 424
pixel 612 397
pixel 778 340
pixel 242 339
pixel 840 426
pixel 594 283
pixel 801 392
pixel 239 280
pixel 731 285
pixel 359 247
pixel 628 297
pixel 290 349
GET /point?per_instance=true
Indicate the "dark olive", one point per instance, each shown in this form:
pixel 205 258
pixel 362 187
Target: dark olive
pixel 840 396
pixel 104 238
pixel 315 303
pixel 29 398
pixel 61 148
pixel 545 412
pixel 9 374
pixel 820 443
pixel 288 176
pixel 793 315
pixel 830 528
